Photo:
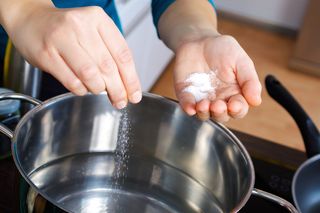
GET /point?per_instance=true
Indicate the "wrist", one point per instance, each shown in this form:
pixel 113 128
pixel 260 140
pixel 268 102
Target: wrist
pixel 14 12
pixel 185 21
pixel 192 34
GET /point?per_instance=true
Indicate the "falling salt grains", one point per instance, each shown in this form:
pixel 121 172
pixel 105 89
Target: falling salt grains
pixel 202 85
pixel 121 152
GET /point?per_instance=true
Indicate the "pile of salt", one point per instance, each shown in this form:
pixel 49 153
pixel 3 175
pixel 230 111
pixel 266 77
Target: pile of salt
pixel 202 85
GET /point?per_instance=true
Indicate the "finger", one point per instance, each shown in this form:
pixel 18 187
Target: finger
pixel 122 55
pixel 252 92
pixel 202 108
pixel 116 90
pixel 60 70
pixel 249 81
pixel 83 66
pixel 218 111
pixel 96 48
pixel 237 106
pixel 188 103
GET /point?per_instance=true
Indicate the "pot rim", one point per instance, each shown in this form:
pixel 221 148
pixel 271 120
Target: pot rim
pixel 250 164
pixel 58 98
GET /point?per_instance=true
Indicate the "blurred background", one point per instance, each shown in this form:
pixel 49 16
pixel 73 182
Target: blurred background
pixel 282 38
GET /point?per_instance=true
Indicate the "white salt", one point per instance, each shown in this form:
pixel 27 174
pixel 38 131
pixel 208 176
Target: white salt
pixel 122 149
pixel 121 155
pixel 202 85
pixel 121 159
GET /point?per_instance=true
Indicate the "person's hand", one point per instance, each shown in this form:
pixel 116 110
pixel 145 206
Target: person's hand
pixel 81 47
pixel 239 85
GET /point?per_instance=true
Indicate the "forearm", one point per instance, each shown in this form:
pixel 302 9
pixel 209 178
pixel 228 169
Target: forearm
pixel 187 20
pixel 12 11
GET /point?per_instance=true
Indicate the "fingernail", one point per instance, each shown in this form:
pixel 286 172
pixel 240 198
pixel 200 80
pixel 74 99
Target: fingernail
pixel 136 97
pixel 82 91
pixel 191 112
pixel 235 108
pixel 259 99
pixel 121 104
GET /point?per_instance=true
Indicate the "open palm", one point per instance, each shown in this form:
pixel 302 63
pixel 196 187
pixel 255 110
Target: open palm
pixel 238 84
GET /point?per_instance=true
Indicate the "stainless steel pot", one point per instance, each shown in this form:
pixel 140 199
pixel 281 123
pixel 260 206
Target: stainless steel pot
pixel 20 76
pixel 85 156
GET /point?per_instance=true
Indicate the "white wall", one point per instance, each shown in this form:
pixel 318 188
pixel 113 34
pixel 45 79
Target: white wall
pixel 283 13
pixel 151 56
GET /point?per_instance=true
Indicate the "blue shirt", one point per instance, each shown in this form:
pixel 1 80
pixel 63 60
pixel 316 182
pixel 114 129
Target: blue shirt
pixel 158 7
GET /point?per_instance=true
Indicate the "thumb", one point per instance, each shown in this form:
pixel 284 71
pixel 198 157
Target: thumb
pixel 249 82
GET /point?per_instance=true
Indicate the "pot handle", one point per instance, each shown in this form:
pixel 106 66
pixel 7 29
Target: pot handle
pixel 308 129
pixel 274 198
pixel 5 130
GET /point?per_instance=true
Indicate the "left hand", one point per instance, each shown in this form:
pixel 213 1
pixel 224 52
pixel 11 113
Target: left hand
pixel 239 85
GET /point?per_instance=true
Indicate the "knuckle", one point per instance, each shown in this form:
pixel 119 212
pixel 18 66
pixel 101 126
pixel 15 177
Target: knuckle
pixel 97 89
pixel 74 84
pixel 72 16
pixel 118 96
pixel 54 33
pixel 86 72
pixel 108 65
pixel 51 36
pixel 133 85
pixel 124 55
pixel 46 49
pixel 44 55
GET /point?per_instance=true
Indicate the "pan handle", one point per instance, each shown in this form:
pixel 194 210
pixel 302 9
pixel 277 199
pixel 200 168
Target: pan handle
pixel 5 96
pixel 308 129
pixel 274 198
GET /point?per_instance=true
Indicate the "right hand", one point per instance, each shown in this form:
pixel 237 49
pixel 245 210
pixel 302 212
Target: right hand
pixel 80 47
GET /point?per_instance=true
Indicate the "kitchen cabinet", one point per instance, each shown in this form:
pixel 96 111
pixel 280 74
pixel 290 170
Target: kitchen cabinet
pixel 306 57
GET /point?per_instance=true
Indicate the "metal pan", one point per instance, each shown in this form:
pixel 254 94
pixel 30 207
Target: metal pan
pixel 306 181
pixel 84 156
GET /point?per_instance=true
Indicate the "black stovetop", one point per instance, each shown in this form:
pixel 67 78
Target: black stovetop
pixel 274 168
pixel 271 178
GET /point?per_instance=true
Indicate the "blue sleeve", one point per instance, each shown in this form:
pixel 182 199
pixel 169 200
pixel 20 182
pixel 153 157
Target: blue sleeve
pixel 159 6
